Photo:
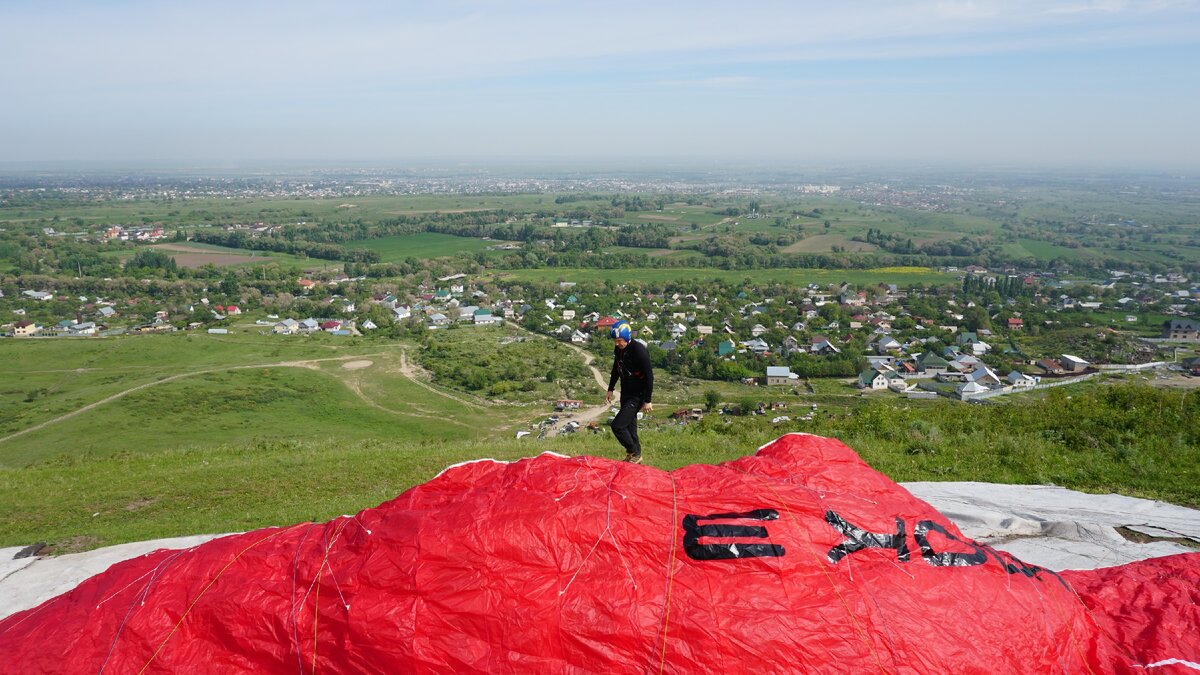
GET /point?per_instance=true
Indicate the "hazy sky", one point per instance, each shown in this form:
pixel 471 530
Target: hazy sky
pixel 1026 82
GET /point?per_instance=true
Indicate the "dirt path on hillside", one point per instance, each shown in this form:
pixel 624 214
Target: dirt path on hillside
pixel 413 373
pixel 355 387
pixel 121 394
pixel 591 413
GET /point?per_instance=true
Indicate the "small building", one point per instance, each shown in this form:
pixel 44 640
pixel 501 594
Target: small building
pixel 1018 379
pixel 1181 329
pixel 1073 364
pixel 85 328
pixel 25 329
pixel 725 348
pixel 885 344
pixel 932 364
pixel 872 379
pixel 823 345
pixel 971 388
pixel 781 375
pixel 1050 366
pixel 758 346
pixel 983 375
pixel 896 381
pixel 604 323
pixel 286 327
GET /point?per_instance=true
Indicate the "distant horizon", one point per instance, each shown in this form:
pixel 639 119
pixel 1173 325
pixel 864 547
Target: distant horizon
pixel 1026 83
pixel 591 166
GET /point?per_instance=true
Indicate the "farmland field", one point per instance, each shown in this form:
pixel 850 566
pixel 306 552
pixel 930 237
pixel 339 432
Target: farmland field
pixel 198 255
pixel 421 245
pixel 823 243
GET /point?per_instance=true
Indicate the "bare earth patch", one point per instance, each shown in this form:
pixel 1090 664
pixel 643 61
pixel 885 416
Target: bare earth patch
pixel 1175 380
pixel 140 503
pixel 186 256
pixel 357 365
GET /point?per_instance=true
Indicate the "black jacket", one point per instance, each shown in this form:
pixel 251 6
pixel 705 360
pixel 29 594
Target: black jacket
pixel 632 367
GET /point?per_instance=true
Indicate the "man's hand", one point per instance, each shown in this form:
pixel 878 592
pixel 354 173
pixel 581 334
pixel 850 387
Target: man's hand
pixel 608 397
pixel 647 406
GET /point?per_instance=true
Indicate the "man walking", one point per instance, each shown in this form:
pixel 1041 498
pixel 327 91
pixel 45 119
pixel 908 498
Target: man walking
pixel 631 365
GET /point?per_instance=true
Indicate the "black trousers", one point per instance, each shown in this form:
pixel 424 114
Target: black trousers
pixel 624 425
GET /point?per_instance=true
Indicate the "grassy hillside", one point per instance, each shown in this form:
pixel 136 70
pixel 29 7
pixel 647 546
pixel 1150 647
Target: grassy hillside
pixel 1101 438
pixel 155 393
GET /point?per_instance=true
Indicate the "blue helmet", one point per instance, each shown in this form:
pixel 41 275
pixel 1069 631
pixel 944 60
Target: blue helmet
pixel 621 330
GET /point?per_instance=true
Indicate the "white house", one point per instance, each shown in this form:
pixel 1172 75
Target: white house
pixel 757 346
pixel 970 388
pixel 1018 379
pixel 781 375
pixel 983 375
pixel 872 379
pixel 85 328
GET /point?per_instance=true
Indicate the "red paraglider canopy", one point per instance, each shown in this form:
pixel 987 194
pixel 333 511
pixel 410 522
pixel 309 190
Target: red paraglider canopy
pixel 800 558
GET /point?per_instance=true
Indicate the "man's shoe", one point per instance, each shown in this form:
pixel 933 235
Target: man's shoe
pixel 633 459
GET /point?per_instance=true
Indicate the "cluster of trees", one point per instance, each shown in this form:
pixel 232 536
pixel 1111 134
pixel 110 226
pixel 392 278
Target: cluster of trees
pixel 152 259
pixel 974 286
pixel 300 247
pixel 466 362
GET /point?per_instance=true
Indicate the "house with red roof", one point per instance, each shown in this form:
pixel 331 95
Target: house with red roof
pixel 605 322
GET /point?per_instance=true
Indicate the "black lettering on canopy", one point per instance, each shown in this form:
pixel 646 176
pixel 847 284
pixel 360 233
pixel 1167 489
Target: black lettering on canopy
pixel 693 531
pixel 945 558
pixel 858 539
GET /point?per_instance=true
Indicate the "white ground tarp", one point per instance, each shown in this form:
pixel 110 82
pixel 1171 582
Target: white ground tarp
pixel 1048 526
pixel 1062 529
pixel 28 582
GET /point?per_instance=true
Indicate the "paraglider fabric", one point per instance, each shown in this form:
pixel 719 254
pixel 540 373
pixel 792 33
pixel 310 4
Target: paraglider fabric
pixel 799 558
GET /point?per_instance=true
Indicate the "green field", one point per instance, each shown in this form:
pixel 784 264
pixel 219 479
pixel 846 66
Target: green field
pixel 901 277
pixel 421 245
pixel 174 391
